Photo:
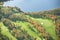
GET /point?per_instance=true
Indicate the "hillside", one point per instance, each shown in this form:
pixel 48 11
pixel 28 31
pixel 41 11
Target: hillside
pixel 18 25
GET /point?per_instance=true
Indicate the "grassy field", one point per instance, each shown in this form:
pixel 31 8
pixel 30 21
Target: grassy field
pixel 47 24
pixel 29 31
pixel 49 27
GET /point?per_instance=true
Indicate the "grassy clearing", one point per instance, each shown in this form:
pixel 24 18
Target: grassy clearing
pixel 49 27
pixel 29 31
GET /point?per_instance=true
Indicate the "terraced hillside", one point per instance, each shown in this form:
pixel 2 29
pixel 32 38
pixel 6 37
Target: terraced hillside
pixel 18 25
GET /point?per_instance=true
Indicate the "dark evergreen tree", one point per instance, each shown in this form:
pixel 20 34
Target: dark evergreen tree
pixel 4 0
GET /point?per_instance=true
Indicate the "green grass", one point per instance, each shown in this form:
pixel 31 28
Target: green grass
pixel 6 32
pixel 29 31
pixel 49 27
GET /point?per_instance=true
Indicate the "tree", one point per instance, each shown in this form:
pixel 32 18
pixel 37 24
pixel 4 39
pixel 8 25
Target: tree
pixel 2 1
